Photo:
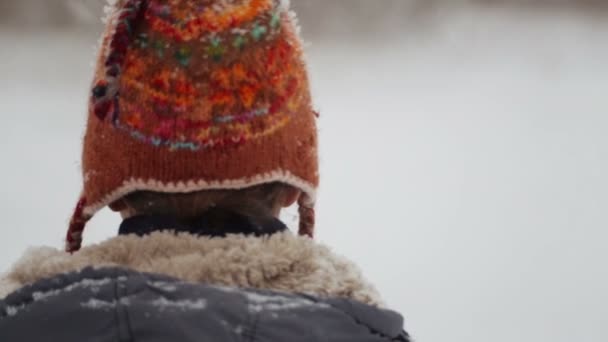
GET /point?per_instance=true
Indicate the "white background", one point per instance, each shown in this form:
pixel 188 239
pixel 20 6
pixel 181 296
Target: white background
pixel 464 161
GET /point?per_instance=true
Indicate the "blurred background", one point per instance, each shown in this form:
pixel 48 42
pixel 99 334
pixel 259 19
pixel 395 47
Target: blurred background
pixel 464 152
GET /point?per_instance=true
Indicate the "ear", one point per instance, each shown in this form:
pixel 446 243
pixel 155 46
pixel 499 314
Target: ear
pixel 118 206
pixel 290 196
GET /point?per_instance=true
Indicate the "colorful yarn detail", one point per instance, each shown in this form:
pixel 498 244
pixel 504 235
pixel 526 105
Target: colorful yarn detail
pixel 192 21
pixel 215 45
pixel 179 78
pixel 187 134
pixel 105 91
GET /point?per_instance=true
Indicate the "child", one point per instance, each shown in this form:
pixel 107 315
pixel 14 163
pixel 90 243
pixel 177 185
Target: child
pixel 200 131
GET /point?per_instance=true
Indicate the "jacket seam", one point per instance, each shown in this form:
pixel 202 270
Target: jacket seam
pixel 254 330
pixel 126 311
pixel 361 323
pixel 121 312
pixel 116 313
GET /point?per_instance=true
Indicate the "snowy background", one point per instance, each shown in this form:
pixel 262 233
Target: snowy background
pixel 464 153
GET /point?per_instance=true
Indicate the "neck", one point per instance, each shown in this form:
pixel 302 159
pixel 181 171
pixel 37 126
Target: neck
pixel 214 223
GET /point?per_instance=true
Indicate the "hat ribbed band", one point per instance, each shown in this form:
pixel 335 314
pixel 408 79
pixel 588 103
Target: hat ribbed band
pixel 132 185
pixel 84 212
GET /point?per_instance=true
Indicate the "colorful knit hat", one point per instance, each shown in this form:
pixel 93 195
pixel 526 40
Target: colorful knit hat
pixel 193 95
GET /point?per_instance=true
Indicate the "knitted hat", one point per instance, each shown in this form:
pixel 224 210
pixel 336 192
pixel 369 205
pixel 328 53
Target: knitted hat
pixel 193 95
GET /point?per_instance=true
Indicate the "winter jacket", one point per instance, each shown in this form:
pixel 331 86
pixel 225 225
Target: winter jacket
pixel 167 286
pixel 113 304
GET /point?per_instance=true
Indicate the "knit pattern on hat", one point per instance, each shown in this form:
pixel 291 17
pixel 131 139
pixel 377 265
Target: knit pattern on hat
pixel 193 95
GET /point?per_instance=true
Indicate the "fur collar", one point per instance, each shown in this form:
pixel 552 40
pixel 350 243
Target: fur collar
pixel 281 262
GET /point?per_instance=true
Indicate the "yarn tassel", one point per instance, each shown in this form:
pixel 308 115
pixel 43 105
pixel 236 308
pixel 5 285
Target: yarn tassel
pixel 77 225
pixel 307 216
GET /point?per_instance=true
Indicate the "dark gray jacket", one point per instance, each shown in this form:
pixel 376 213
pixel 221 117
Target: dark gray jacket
pixel 117 304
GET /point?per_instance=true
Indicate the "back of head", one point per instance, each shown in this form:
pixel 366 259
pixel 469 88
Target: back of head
pixel 259 204
pixel 192 96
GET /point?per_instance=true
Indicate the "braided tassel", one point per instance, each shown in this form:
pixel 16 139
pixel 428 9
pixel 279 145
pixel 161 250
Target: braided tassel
pixel 77 224
pixel 307 216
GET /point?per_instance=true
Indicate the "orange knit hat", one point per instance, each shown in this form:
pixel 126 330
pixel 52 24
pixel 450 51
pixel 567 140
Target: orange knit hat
pixel 193 95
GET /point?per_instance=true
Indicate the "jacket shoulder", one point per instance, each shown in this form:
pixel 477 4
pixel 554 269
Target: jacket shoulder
pixel 148 307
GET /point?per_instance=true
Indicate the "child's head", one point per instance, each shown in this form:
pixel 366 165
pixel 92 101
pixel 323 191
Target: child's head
pixel 204 98
pixel 258 203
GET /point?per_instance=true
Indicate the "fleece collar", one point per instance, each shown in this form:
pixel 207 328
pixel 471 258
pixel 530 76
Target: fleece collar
pixel 282 262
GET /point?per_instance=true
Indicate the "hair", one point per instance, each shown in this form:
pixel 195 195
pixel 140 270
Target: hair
pixel 259 203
